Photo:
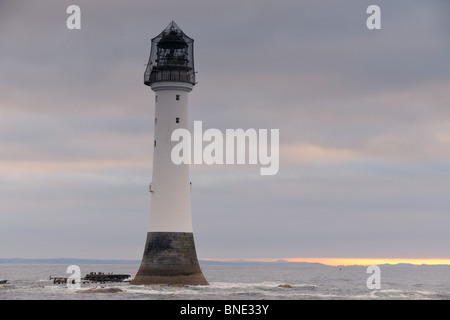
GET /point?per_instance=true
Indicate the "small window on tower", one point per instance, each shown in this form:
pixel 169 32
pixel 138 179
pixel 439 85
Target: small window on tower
pixel 177 120
pixel 154 144
pixel 155 121
pixel 178 97
pixel 156 98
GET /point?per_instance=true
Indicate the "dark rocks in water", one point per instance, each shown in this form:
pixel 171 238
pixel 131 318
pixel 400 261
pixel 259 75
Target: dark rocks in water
pixel 105 277
pixel 59 280
pixel 95 277
pixel 285 286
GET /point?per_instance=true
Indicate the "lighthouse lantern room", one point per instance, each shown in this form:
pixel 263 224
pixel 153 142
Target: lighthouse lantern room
pixel 171 57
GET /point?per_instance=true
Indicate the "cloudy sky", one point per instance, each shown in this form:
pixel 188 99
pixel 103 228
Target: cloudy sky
pixel 363 116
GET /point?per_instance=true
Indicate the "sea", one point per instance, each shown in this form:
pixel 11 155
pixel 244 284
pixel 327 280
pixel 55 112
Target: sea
pixel 235 282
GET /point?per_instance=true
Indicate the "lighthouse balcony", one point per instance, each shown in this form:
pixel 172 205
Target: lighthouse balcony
pixel 169 75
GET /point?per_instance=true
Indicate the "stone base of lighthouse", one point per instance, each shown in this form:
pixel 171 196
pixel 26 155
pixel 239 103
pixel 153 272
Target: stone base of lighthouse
pixel 169 259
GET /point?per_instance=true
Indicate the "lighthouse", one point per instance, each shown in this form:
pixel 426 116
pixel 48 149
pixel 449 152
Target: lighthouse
pixel 169 255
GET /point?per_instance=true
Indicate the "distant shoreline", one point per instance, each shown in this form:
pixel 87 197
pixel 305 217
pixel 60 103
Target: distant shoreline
pixel 67 261
pixel 202 262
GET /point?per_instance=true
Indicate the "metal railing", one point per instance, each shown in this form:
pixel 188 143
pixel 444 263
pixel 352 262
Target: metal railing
pixel 169 75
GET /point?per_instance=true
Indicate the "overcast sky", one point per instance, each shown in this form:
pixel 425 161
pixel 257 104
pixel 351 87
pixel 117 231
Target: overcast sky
pixel 363 115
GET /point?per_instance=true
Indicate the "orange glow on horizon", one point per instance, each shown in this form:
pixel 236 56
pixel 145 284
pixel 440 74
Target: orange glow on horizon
pixel 370 261
pixel 354 261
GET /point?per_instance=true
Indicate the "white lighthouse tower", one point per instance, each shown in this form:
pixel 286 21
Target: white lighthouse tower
pixel 169 255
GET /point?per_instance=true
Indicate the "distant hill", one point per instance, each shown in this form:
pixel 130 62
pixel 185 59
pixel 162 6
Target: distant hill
pixel 247 262
pixel 108 261
pixel 68 261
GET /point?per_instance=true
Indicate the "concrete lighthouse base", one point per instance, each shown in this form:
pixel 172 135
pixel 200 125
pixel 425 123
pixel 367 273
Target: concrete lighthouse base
pixel 169 258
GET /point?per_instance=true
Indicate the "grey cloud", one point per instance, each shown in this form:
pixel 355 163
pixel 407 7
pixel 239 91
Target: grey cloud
pixel 309 68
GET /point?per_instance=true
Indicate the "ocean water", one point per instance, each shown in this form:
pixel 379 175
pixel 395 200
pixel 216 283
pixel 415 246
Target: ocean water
pixel 236 282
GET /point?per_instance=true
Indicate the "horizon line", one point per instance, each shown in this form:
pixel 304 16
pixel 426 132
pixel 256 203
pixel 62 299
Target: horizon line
pixel 326 261
pixel 347 261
